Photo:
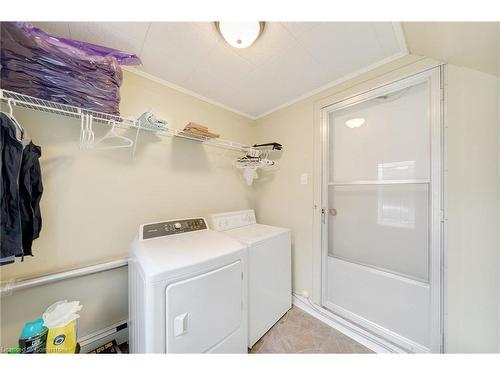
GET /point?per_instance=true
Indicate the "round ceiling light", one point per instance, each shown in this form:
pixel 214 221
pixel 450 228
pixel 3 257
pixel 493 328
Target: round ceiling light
pixel 240 34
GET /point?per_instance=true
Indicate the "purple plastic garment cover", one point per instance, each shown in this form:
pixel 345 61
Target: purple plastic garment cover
pixel 60 69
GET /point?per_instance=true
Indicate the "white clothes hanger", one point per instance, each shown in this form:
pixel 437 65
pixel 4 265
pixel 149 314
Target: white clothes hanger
pixel 11 109
pixel 136 138
pixel 90 131
pixel 86 132
pixel 11 116
pixel 82 130
pixel 111 134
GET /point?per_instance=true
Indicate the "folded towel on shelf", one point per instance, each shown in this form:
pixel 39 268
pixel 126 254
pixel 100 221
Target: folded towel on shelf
pixel 194 125
pixel 202 133
pixel 199 130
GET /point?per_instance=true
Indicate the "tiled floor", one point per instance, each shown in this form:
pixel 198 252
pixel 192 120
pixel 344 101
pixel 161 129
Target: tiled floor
pixel 299 332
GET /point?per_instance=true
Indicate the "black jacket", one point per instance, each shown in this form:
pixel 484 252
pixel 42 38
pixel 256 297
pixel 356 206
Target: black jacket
pixel 30 194
pixel 20 192
pixel 10 216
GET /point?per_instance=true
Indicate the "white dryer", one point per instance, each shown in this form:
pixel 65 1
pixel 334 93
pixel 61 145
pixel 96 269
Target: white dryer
pixel 187 290
pixel 269 268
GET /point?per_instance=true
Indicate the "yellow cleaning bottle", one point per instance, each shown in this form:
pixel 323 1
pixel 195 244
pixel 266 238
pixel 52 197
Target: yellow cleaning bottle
pixel 61 320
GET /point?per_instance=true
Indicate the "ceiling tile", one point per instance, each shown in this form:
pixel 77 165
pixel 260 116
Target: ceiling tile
pixel 211 88
pixel 54 28
pixel 298 28
pixel 190 39
pixel 173 50
pixel 342 47
pixel 281 79
pixel 294 69
pixel 124 36
pixel 222 64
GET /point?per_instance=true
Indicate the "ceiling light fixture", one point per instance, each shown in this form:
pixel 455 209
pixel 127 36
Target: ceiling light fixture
pixel 355 122
pixel 240 34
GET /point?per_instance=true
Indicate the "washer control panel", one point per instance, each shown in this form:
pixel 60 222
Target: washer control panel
pixel 230 220
pixel 167 228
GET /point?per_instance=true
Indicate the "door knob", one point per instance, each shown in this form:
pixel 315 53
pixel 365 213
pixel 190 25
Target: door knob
pixel 332 212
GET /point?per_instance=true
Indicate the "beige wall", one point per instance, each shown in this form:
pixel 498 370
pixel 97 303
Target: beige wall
pixel 473 250
pixel 95 200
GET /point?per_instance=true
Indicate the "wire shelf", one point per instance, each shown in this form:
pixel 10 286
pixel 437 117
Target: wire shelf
pixel 31 102
pixel 48 106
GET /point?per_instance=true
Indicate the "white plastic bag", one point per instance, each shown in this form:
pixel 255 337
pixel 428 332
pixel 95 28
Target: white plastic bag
pixel 61 313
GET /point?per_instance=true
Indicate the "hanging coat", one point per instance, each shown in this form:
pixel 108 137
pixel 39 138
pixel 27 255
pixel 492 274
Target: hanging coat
pixel 20 192
pixel 11 151
pixel 30 194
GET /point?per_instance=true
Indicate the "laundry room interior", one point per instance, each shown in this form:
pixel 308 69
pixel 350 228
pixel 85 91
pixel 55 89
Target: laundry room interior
pixel 250 187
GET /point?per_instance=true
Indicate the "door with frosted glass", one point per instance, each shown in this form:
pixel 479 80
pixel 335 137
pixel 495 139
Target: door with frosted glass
pixel 382 211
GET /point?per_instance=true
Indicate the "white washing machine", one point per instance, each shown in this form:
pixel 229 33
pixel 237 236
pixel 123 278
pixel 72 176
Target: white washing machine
pixel 187 290
pixel 269 268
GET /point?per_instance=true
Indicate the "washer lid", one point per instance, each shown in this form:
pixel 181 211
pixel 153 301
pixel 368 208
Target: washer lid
pixel 171 253
pixel 252 234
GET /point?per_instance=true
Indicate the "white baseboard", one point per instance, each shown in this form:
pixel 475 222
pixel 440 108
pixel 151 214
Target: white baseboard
pixel 117 331
pixel 365 338
pixel 406 344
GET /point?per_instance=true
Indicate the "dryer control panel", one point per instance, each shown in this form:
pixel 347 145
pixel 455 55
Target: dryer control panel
pixel 167 228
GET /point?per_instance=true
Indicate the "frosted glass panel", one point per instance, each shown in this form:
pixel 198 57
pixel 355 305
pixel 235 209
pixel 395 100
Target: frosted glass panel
pixel 391 144
pixel 385 226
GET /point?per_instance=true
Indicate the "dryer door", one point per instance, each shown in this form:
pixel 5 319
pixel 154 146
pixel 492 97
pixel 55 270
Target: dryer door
pixel 206 311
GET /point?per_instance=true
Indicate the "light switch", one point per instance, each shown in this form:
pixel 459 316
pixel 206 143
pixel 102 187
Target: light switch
pixel 304 179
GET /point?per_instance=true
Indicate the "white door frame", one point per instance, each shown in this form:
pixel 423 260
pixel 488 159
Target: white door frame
pixel 436 212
